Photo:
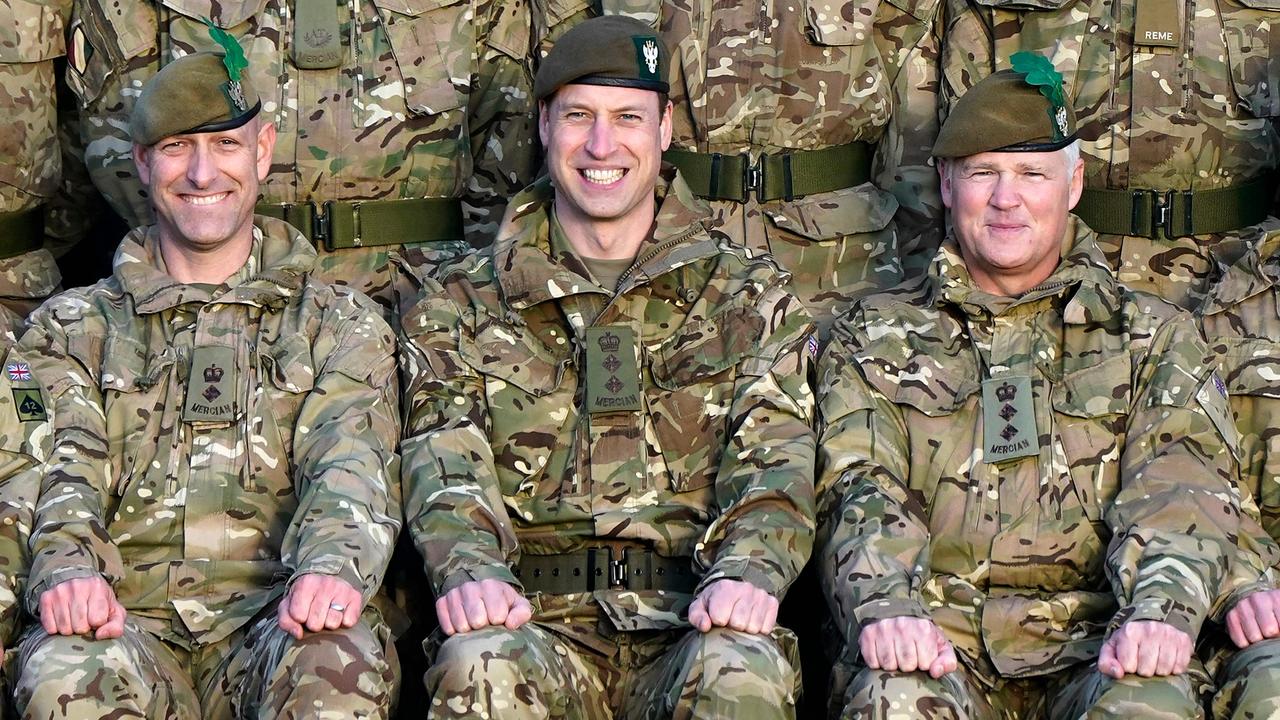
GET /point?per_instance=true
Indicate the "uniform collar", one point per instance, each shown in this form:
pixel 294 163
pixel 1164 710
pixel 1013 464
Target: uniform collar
pixel 1082 276
pixel 277 265
pixel 529 273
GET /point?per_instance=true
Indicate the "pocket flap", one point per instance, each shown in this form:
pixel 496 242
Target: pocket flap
pixel 29 32
pixel 513 355
pixel 921 382
pixel 131 368
pixel 413 8
pixel 1104 389
pixel 292 367
pixel 224 13
pixel 701 349
pixel 1252 367
pixel 830 215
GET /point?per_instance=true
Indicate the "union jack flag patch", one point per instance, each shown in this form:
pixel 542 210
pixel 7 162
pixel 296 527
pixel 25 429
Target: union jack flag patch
pixel 19 371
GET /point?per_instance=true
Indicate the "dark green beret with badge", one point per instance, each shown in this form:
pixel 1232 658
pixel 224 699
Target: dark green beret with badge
pixel 1023 109
pixel 198 93
pixel 610 50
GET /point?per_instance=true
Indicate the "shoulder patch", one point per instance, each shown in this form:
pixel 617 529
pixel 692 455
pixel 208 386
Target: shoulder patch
pixel 28 403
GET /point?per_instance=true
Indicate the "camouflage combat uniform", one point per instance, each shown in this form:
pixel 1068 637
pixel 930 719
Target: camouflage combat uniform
pixel 1126 492
pixel 31 37
pixel 1241 321
pixel 25 442
pixel 771 78
pixel 507 466
pixel 200 525
pixel 1197 116
pixel 428 99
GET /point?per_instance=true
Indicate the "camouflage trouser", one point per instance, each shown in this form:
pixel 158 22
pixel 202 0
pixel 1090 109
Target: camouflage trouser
pixel 838 246
pixel 1249 682
pixel 261 672
pixel 537 671
pixel 1078 692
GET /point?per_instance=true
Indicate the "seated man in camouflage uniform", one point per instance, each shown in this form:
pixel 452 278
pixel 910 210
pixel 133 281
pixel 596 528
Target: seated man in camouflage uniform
pixel 220 500
pixel 1241 319
pixel 1026 502
pixel 608 433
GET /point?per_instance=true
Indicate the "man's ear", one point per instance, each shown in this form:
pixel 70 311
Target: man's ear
pixel 266 148
pixel 140 163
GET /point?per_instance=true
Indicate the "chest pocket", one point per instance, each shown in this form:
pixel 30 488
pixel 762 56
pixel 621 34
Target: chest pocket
pixel 29 32
pixel 103 40
pixel 140 413
pixel 1091 407
pixel 1251 369
pixel 432 43
pixel 694 372
pixel 288 375
pixel 530 393
pixel 1252 32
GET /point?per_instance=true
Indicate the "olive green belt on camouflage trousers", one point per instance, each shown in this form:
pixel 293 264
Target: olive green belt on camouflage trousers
pixel 21 232
pixel 780 176
pixel 339 224
pixel 604 568
pixel 1177 213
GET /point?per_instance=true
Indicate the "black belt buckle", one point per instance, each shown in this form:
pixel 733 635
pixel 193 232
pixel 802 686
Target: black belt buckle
pixel 752 178
pixel 1163 213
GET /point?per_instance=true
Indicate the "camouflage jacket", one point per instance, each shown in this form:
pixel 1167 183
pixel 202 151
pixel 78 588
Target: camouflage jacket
pixel 1241 319
pixel 31 38
pixel 1127 497
pixel 776 77
pixel 25 442
pixel 502 458
pixel 419 104
pixel 1193 117
pixel 200 524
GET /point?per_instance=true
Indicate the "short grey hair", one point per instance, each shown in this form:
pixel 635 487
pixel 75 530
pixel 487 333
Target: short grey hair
pixel 1070 155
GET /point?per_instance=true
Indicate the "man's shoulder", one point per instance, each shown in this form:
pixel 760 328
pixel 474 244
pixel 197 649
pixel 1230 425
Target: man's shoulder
pixel 104 302
pixel 906 314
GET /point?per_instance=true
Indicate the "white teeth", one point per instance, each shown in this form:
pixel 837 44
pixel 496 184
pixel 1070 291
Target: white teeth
pixel 205 199
pixel 603 177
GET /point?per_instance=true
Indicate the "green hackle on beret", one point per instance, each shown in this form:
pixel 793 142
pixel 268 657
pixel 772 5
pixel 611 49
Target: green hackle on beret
pixel 1023 109
pixel 613 50
pixel 198 93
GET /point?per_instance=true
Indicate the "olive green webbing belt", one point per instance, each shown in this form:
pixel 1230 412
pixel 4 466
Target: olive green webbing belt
pixel 339 224
pixel 595 569
pixel 782 176
pixel 21 232
pixel 1177 213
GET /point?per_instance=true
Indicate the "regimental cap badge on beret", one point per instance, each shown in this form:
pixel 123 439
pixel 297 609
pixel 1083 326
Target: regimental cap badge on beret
pixel 611 50
pixel 646 57
pixel 198 93
pixel 1021 109
pixel 1038 72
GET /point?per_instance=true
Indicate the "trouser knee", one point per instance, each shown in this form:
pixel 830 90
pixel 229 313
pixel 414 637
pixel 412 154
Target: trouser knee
pixel 495 670
pixel 885 695
pixel 76 677
pixel 733 664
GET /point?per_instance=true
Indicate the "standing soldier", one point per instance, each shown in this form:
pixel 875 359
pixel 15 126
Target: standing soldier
pixel 808 125
pixel 389 112
pixel 31 37
pixel 1176 100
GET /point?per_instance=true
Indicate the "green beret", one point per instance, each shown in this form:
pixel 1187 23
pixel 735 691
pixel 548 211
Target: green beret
pixel 1019 110
pixel 193 94
pixel 609 50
